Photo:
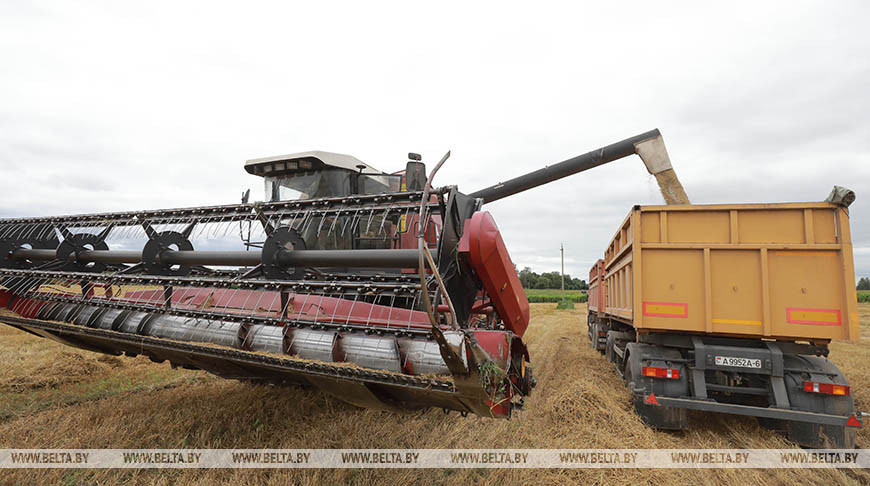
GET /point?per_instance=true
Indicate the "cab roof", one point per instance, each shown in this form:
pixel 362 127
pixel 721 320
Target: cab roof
pixel 305 161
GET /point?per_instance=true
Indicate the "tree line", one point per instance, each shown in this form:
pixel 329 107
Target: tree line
pixel 553 280
pixel 549 280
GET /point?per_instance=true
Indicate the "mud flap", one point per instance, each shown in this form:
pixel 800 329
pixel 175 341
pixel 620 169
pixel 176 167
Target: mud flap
pixel 644 390
pixel 659 417
pixel 817 435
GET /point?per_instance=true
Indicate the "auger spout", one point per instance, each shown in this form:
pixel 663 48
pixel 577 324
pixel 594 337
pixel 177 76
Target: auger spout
pixel 648 145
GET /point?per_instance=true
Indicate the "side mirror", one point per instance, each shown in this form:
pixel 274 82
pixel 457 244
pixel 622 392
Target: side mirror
pixel 245 196
pixel 415 175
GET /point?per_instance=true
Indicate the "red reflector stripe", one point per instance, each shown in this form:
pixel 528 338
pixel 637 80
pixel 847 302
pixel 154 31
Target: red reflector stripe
pixel 826 388
pixel 671 373
pixel 665 309
pixel 819 317
pixel 651 399
pixel 853 422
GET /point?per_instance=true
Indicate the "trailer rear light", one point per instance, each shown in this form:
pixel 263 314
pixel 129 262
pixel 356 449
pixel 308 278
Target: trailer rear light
pixel 670 373
pixel 826 388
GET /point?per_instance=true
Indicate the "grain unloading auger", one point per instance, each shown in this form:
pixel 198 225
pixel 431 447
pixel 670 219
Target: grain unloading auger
pixel 377 288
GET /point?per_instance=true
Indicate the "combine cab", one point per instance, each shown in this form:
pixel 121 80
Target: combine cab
pixel 377 288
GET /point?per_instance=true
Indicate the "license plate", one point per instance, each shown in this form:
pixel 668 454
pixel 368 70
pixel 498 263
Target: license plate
pixel 738 362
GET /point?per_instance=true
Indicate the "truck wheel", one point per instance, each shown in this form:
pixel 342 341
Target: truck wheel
pixel 656 416
pixel 598 344
pixel 816 435
pixel 615 339
pixel 593 338
pixel 608 348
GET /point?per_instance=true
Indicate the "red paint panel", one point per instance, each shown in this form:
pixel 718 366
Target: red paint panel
pixel 5 297
pixel 483 244
pixel 496 344
pixel 27 307
pixel 303 306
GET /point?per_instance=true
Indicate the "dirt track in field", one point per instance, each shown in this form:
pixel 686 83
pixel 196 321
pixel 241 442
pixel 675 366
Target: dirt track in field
pixel 52 396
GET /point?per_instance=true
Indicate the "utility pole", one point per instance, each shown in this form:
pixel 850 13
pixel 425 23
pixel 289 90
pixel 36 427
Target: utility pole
pixel 562 251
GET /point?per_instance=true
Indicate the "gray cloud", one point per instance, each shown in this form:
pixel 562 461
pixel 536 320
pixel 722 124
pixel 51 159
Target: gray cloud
pixel 106 106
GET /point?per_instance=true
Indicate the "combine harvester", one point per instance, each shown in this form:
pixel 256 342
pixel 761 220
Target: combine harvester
pixel 730 308
pixel 380 289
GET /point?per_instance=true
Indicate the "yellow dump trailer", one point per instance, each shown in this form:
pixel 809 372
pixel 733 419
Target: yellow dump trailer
pixel 730 308
pixel 780 271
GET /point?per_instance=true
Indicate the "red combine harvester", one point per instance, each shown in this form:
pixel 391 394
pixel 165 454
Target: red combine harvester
pixel 380 289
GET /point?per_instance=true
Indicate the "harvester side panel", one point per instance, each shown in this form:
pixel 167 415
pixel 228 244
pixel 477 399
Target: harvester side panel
pixel 488 254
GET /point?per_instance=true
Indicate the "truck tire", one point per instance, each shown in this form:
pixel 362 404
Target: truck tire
pixel 597 342
pixel 601 344
pixel 617 339
pixel 816 435
pixel 608 348
pixel 593 335
pixel 656 416
pixel 590 326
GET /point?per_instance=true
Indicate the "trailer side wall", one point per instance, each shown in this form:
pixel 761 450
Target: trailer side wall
pixel 757 270
pixel 596 287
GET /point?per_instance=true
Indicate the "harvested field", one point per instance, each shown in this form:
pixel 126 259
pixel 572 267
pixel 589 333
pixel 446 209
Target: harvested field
pixel 52 396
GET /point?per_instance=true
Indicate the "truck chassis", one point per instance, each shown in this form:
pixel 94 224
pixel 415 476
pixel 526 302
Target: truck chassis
pixel 740 376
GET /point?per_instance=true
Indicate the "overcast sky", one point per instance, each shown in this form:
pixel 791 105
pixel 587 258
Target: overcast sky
pixel 134 105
